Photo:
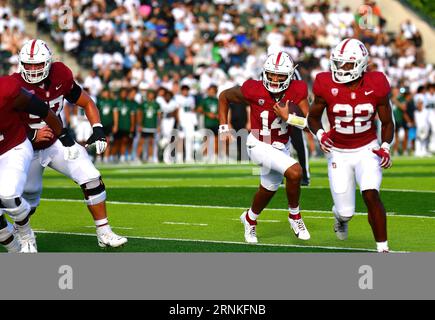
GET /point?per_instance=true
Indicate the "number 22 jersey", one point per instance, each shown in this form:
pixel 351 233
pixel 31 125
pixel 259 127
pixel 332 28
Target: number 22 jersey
pixel 352 112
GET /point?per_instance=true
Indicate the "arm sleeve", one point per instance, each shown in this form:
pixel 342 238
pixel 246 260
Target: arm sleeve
pixel 37 107
pixel 74 93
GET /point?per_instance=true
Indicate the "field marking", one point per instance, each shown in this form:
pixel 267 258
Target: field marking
pixel 147 204
pixel 260 220
pixel 186 223
pixel 112 227
pixel 222 186
pixel 223 242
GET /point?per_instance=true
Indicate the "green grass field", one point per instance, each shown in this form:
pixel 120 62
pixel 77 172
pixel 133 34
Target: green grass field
pixel 196 208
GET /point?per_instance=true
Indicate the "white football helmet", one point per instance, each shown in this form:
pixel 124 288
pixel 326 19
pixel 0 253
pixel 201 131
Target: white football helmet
pixel 348 51
pixel 35 52
pixel 279 63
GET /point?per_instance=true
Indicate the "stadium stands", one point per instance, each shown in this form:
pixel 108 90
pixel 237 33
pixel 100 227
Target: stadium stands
pixel 153 44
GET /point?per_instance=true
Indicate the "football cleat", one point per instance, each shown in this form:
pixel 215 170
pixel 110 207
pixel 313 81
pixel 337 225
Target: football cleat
pixel 28 244
pixel 383 251
pixel 250 230
pixel 341 229
pixel 23 240
pixel 110 239
pixel 299 228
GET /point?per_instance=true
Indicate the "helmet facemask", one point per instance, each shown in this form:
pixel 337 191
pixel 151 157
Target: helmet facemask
pixel 348 60
pixel 35 61
pixel 35 75
pixel 345 75
pixel 276 86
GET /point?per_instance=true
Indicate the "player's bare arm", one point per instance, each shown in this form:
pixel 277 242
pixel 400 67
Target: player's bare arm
pixel 315 123
pixel 387 132
pixel 315 116
pixel 98 138
pixel 232 95
pixel 91 110
pixel 29 103
pixel 386 118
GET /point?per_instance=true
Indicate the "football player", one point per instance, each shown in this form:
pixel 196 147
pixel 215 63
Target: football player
pixel 53 82
pixel 15 157
pixel 352 98
pixel 268 142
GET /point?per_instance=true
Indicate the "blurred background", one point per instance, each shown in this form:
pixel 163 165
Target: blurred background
pixel 160 65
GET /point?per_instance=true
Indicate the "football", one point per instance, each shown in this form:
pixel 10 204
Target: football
pixel 293 108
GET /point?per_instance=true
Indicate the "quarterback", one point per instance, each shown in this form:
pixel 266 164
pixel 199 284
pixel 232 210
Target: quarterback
pixel 268 143
pixel 352 98
pixel 53 82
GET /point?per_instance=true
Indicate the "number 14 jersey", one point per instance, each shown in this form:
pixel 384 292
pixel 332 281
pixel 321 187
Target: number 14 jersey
pixel 352 112
pixel 266 126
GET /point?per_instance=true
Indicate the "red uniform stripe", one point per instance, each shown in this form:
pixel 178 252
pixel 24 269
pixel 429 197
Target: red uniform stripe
pixel 32 49
pixel 277 59
pixel 344 46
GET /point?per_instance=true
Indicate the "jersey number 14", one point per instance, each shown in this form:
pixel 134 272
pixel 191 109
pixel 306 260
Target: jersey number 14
pixel 278 123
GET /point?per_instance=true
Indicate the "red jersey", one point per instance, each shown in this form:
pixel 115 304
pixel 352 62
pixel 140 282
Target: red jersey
pixel 352 111
pixel 52 90
pixel 12 128
pixel 266 126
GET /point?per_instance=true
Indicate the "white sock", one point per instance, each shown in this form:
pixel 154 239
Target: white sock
pixel 252 215
pixel 24 230
pixel 103 225
pixel 14 246
pixel 382 246
pixel 294 211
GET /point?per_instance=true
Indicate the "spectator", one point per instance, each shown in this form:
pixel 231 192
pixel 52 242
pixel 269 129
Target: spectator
pixel 148 118
pixel 93 83
pixel 421 118
pixel 71 40
pixel 177 52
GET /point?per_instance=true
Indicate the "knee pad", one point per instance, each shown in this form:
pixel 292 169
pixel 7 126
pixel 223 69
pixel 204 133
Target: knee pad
pixel 345 214
pixel 17 208
pixel 94 191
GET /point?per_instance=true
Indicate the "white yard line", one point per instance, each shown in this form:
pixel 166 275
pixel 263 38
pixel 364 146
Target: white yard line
pixel 186 223
pixel 112 227
pixel 270 221
pixel 220 186
pixel 147 204
pixel 221 242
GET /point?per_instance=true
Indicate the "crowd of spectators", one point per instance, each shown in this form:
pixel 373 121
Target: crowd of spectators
pixel 166 45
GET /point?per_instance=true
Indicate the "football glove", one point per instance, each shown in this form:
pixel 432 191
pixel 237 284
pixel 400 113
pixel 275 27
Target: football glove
pixel 384 153
pixel 71 152
pixel 97 139
pixel 325 141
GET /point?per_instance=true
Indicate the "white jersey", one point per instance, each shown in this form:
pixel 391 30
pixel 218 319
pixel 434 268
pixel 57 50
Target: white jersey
pixel 186 110
pixel 166 106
